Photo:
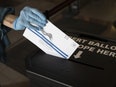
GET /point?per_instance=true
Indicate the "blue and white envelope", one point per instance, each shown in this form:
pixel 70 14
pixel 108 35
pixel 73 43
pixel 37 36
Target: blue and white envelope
pixel 52 41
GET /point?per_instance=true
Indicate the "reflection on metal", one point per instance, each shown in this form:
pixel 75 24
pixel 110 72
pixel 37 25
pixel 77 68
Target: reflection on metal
pixel 113 28
pixel 110 33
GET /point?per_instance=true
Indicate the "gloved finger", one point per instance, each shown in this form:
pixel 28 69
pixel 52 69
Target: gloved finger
pixel 35 27
pixel 38 13
pixel 32 11
pixel 37 18
pixel 32 26
pixel 32 20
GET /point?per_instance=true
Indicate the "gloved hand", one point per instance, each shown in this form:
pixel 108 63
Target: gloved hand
pixel 29 16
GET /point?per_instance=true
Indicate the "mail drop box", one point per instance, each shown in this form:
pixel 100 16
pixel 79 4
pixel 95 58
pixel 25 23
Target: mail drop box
pixel 93 64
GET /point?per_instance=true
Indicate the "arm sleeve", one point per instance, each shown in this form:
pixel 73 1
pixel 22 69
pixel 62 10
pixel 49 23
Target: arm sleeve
pixel 4 29
pixel 4 12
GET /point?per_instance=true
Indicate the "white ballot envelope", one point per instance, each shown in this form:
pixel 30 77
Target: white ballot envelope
pixel 52 41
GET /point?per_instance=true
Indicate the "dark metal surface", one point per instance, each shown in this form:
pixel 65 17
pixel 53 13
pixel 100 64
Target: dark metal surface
pixel 67 72
pixel 57 8
pixel 91 70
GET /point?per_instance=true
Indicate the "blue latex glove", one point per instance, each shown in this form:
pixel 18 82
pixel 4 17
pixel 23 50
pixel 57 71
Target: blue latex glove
pixel 29 16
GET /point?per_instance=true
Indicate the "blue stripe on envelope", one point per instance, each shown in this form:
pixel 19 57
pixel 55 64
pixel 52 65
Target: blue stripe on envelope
pixel 63 54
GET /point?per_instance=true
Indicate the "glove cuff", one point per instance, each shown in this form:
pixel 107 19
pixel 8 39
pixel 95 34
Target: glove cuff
pixel 17 26
pixel 14 24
